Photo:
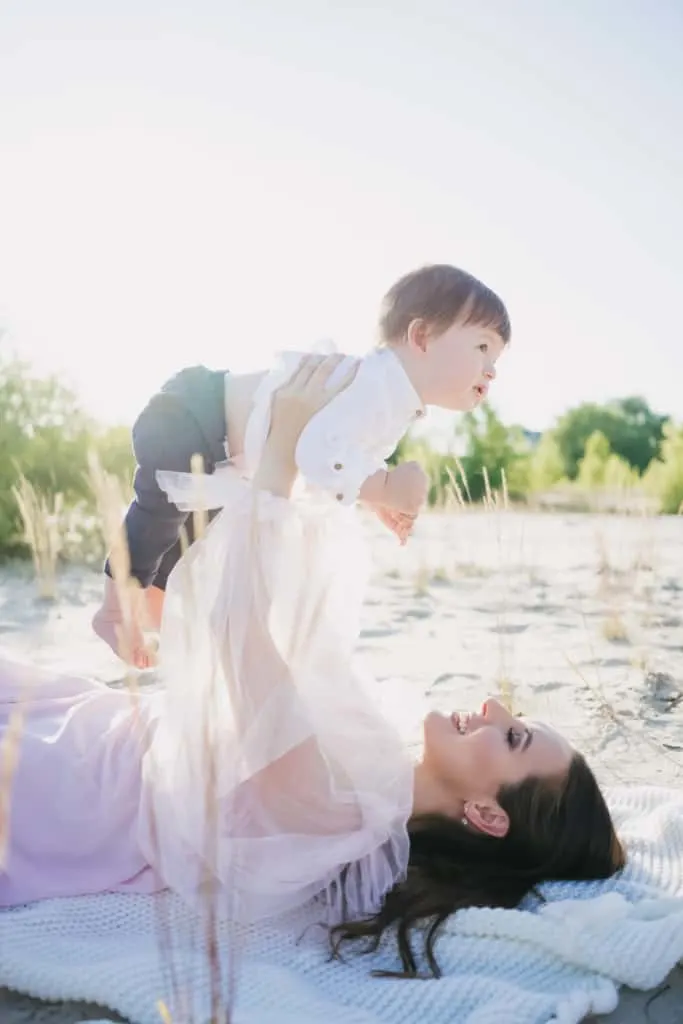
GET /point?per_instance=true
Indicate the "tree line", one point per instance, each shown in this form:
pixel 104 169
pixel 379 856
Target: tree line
pixel 620 448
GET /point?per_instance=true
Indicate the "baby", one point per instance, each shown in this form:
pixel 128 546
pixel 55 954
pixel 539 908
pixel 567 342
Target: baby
pixel 441 332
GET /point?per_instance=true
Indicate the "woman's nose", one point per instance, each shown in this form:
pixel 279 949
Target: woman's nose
pixel 490 372
pixel 494 712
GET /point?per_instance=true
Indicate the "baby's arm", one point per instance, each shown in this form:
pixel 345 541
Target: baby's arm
pixel 402 489
pixel 334 454
pixel 373 489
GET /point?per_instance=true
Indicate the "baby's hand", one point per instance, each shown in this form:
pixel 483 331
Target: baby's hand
pixel 398 522
pixel 406 489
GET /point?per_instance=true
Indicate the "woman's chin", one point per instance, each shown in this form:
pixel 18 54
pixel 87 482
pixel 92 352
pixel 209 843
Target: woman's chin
pixel 437 724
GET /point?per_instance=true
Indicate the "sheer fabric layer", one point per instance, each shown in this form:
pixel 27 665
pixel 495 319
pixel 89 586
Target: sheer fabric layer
pixel 273 767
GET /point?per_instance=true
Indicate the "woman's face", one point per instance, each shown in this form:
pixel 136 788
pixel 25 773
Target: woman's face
pixel 474 755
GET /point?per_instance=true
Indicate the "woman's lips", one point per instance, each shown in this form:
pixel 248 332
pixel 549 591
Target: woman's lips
pixel 461 721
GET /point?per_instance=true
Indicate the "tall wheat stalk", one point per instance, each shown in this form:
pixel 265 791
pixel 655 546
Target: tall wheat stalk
pixel 42 533
pixel 110 502
pixel 9 757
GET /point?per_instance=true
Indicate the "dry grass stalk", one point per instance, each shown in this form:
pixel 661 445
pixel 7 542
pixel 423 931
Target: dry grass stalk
pixel 489 500
pixel 422 580
pixel 110 505
pixel 222 978
pixel 9 757
pixel 614 629
pixel 610 712
pixel 454 491
pixel 42 534
pixel 463 477
pixel 200 517
pixel 441 575
pixel 506 692
pixel 41 527
pixel 504 488
pixel 220 1012
pixel 495 500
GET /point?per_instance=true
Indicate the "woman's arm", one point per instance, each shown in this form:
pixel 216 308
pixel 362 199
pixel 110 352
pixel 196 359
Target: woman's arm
pixel 271 766
pixel 296 786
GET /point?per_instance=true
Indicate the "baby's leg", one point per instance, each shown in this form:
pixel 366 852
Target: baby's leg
pixel 165 437
pixel 156 593
pixel 127 640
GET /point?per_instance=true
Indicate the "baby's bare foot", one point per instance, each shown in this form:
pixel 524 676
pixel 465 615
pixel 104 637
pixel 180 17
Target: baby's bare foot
pixel 132 648
pixel 127 641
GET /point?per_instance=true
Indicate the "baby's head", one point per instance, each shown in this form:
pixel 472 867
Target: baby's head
pixel 448 329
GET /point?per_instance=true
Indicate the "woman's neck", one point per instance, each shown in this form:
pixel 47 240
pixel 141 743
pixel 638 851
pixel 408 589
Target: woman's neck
pixel 432 796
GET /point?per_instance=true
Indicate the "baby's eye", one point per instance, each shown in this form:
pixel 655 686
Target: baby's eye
pixel 484 347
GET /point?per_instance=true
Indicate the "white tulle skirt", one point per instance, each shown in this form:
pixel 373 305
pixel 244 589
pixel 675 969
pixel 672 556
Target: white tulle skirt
pixel 274 775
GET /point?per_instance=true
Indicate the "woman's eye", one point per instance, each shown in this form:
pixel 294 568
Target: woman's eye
pixel 484 347
pixel 513 738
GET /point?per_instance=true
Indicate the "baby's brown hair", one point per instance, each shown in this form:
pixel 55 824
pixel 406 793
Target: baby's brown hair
pixel 440 295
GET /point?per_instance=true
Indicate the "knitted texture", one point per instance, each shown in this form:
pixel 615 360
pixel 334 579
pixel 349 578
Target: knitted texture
pixel 554 962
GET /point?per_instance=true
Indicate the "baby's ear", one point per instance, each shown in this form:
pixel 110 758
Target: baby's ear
pixel 489 817
pixel 417 334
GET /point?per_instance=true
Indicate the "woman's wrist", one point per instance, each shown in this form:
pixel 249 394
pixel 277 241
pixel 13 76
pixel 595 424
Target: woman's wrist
pixel 277 469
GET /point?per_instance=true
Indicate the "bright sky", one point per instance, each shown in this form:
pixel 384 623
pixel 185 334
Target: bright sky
pixel 209 181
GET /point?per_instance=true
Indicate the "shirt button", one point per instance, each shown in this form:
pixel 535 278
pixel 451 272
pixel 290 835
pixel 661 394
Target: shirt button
pixel 339 497
pixel 338 466
pixel 419 413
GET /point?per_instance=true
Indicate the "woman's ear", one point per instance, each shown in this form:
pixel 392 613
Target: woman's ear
pixel 417 334
pixel 487 817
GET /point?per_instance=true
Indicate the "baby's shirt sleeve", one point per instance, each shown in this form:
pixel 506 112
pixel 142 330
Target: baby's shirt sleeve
pixel 338 450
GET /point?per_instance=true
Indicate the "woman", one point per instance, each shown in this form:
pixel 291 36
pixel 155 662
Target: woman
pixel 264 775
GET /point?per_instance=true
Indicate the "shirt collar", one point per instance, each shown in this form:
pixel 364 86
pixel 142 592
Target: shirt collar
pixel 408 403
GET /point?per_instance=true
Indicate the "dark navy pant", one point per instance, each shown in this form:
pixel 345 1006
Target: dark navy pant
pixel 186 418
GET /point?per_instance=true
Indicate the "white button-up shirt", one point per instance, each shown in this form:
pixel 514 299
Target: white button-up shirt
pixel 352 436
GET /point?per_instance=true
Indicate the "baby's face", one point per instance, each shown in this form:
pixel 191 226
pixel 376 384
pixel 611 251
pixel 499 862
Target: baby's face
pixel 461 365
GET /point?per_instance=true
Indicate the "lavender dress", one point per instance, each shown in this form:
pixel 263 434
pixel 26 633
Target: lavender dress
pixel 75 792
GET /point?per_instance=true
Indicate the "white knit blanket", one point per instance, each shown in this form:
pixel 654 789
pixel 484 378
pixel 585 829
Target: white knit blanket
pixel 531 966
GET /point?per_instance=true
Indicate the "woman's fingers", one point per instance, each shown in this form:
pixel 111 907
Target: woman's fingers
pixel 313 368
pixel 307 392
pixel 311 379
pixel 304 372
pixel 318 383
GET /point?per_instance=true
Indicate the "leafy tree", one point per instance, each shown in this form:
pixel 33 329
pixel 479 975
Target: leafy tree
pixel 632 429
pixel 602 468
pixel 46 436
pixel 664 476
pixel 493 450
pixel 591 468
pixel 546 465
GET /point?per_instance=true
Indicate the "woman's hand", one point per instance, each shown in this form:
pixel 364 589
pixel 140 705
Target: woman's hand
pixel 294 404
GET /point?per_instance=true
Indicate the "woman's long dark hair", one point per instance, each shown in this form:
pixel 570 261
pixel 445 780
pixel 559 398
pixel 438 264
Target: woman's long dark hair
pixel 560 830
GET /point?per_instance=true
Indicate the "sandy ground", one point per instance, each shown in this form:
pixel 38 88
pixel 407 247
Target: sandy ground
pixel 576 619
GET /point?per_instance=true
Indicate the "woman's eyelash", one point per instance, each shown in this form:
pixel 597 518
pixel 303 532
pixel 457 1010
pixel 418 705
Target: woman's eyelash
pixel 512 738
